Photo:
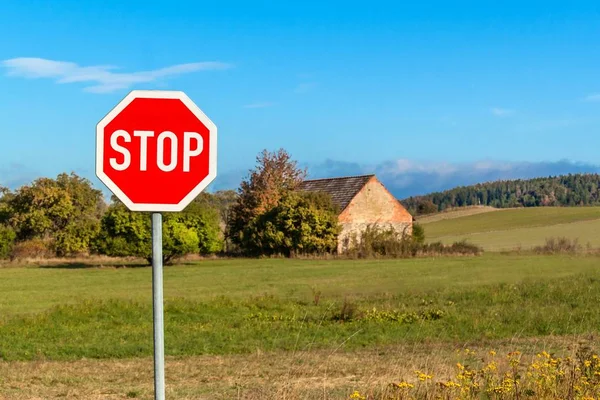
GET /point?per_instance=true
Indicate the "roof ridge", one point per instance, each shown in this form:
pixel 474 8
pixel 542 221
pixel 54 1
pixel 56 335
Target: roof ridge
pixel 338 177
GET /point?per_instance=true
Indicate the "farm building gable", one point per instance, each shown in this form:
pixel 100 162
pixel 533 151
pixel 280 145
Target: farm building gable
pixel 363 201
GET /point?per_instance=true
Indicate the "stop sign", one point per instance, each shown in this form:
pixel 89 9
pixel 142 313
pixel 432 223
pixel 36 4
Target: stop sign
pixel 156 150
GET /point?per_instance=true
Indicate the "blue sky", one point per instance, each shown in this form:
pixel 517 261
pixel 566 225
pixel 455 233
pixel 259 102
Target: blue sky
pixel 426 94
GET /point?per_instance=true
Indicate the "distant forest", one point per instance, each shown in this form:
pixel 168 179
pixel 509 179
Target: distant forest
pixel 565 190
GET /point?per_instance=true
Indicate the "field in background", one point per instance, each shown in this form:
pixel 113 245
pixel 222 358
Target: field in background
pixel 455 213
pixel 509 229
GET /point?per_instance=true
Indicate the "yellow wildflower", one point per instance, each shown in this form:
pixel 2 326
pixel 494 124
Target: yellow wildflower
pixel 356 395
pixel 404 385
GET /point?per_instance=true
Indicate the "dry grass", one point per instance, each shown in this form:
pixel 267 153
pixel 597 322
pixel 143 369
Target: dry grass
pixel 95 260
pixel 264 376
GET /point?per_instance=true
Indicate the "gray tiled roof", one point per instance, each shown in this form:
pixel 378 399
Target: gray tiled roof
pixel 342 190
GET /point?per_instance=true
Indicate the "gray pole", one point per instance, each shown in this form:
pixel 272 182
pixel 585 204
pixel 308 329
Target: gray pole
pixel 157 305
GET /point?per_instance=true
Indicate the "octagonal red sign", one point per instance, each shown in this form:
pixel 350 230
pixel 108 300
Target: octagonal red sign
pixel 156 150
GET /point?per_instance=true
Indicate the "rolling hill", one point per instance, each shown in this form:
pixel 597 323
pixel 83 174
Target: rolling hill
pixel 508 229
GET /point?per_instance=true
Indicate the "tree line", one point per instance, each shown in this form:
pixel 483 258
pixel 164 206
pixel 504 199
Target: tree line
pixel 67 216
pixel 564 190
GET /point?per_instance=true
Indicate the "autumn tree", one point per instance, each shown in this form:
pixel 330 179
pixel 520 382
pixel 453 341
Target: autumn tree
pixel 426 207
pixel 5 195
pixel 7 234
pixel 274 176
pixel 64 213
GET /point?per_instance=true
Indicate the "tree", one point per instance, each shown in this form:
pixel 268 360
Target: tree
pixel 125 233
pixel 221 200
pixel 302 223
pixel 64 213
pixel 426 207
pixel 5 196
pixel 7 241
pixel 418 234
pixel 567 190
pixel 274 176
pixel 203 218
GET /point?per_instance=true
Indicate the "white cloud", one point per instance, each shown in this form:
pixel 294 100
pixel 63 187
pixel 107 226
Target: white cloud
pixel 305 87
pixel 406 178
pixel 592 97
pixel 260 105
pixel 501 112
pixel 102 78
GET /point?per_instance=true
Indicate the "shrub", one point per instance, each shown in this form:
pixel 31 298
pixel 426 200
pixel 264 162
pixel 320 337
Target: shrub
pixel 347 312
pixel 65 211
pixel 301 224
pixel 125 233
pixel 31 249
pixel 375 241
pixel 7 241
pixel 457 248
pixel 425 207
pixel 560 245
pixel 418 233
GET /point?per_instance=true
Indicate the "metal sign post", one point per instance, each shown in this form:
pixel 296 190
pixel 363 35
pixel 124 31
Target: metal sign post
pixel 157 306
pixel 131 160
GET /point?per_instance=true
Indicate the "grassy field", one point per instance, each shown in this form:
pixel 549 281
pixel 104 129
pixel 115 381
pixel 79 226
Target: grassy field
pixel 517 228
pixel 295 325
pixel 455 213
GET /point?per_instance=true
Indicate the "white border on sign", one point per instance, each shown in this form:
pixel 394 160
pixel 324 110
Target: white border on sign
pixel 156 94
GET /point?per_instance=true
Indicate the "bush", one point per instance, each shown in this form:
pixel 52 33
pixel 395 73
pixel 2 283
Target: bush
pixel 418 233
pixel 31 249
pixel 375 241
pixel 125 233
pixel 301 224
pixel 457 248
pixel 7 241
pixel 65 211
pixel 560 245
pixel 425 207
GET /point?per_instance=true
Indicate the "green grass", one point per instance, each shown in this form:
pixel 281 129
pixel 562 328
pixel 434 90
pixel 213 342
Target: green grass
pixel 525 227
pixel 241 306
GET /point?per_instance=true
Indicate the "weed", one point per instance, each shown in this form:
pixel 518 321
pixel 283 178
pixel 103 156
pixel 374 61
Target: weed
pixel 347 312
pixel 316 294
pixel 561 245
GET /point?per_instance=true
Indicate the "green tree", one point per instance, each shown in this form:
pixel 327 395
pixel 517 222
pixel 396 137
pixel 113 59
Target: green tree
pixel 125 233
pixel 274 176
pixel 205 220
pixel 566 190
pixel 221 200
pixel 7 241
pixel 5 213
pixel 418 234
pixel 64 212
pixel 302 223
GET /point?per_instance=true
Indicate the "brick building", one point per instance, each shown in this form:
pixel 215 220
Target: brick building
pixel 363 200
